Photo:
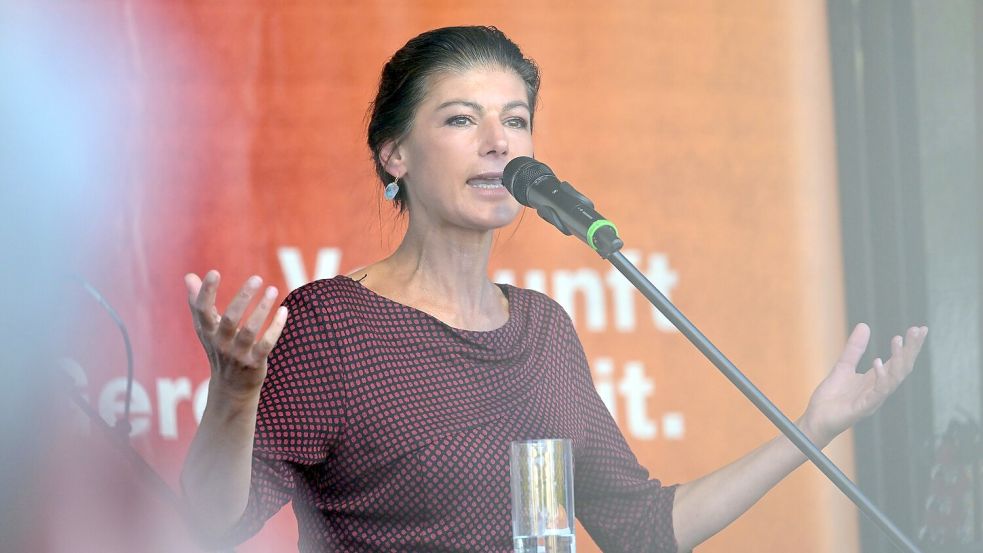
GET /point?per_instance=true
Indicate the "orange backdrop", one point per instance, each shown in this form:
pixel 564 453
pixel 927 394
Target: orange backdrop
pixel 702 128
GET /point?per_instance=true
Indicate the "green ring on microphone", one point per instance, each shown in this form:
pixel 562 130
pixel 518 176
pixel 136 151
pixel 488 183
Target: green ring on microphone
pixel 593 228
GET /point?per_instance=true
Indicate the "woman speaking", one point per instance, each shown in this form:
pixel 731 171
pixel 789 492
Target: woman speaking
pixel 383 403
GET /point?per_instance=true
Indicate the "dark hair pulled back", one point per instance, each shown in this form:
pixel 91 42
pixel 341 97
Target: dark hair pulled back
pixel 408 74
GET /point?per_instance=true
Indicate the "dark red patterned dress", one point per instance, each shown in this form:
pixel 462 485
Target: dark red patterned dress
pixel 390 430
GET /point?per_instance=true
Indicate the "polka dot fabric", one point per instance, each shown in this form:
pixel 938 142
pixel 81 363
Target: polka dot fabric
pixel 390 430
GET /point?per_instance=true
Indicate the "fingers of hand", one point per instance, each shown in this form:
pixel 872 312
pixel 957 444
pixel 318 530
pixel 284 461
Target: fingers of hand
pixel 890 375
pixel 876 388
pixel 229 323
pixel 896 344
pixel 263 348
pixel 246 337
pixel 193 283
pixel 203 302
pixel 883 383
pixel 856 344
pixel 905 351
pixel 914 341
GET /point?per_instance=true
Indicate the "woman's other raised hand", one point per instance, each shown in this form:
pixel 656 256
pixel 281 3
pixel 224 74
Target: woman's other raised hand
pixel 846 396
pixel 234 341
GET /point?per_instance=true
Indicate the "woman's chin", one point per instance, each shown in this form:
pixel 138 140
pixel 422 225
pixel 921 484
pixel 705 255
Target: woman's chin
pixel 492 222
pixel 502 217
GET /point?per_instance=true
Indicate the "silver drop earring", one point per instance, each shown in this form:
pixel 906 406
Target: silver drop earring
pixel 392 189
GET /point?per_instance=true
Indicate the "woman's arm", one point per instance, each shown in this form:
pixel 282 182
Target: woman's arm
pixel 705 506
pixel 216 474
pixel 217 470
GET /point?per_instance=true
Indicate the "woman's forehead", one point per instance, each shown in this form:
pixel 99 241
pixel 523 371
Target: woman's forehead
pixel 487 87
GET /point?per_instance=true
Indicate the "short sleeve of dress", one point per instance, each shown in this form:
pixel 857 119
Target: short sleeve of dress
pixel 616 501
pixel 301 409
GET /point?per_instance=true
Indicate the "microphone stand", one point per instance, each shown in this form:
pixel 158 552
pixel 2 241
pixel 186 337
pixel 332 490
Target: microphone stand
pixel 119 433
pixel 608 249
pixel 121 441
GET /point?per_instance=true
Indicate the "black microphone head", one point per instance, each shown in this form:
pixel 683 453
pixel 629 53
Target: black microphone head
pixel 520 173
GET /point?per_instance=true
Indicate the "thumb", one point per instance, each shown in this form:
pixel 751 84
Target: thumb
pixel 855 347
pixel 193 284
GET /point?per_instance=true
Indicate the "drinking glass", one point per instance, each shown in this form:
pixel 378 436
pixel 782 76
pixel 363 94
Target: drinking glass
pixel 542 496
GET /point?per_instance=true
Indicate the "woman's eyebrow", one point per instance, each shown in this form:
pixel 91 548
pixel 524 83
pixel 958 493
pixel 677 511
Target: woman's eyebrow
pixel 465 103
pixel 516 104
pixel 477 107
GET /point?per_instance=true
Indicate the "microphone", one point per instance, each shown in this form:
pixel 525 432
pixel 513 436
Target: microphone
pixel 533 184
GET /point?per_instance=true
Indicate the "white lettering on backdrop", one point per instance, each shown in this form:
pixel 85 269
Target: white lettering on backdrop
pixel 565 286
pixel 595 302
pixel 632 390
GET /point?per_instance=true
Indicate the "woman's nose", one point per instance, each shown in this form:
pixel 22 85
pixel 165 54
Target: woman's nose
pixel 494 139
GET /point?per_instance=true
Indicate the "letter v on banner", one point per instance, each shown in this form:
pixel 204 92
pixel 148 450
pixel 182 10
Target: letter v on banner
pixel 292 265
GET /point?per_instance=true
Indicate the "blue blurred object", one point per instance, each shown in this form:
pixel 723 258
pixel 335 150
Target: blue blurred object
pixel 61 104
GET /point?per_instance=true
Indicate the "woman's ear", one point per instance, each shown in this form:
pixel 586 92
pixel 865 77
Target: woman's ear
pixel 391 158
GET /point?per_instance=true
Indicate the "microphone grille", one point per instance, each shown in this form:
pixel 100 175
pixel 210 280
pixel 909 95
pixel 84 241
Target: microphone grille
pixel 520 173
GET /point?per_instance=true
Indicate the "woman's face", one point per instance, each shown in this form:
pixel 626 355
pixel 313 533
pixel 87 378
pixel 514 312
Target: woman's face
pixel 464 132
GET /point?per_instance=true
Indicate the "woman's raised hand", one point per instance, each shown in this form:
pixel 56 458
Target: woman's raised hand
pixel 236 352
pixel 846 396
pixel 704 506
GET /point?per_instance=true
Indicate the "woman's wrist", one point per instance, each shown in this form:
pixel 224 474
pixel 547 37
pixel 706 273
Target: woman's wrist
pixel 231 401
pixel 813 431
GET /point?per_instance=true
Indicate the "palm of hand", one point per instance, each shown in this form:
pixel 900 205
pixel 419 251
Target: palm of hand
pixel 845 396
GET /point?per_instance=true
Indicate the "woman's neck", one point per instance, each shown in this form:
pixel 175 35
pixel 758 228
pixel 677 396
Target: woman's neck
pixel 445 272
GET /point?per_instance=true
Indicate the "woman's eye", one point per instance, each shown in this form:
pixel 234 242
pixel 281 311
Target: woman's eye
pixel 459 121
pixel 517 123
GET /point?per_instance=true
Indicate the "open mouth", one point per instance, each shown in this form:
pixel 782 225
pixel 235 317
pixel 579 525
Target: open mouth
pixel 486 181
